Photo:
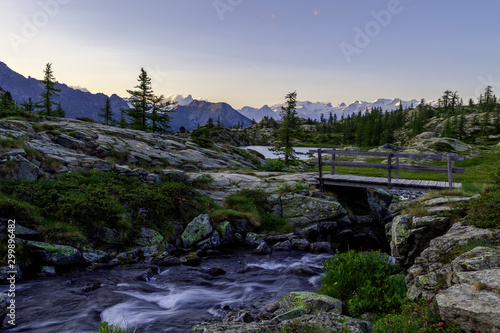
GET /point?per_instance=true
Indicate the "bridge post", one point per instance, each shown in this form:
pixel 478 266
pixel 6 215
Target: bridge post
pixel 333 161
pixel 451 164
pixel 396 168
pixel 389 167
pixel 320 165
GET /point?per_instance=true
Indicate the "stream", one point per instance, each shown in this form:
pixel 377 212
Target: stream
pixel 174 300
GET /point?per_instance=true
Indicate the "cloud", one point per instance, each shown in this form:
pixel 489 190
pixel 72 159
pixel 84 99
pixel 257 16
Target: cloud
pixel 315 12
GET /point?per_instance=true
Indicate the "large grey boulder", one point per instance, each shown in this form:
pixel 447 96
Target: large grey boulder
pixel 471 309
pixel 199 229
pixel 432 271
pixel 409 236
pixel 54 254
pixel 301 210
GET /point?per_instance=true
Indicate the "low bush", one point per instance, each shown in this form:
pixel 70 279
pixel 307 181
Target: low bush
pixel 484 212
pixel 105 327
pixel 364 282
pixel 274 166
pixel 421 316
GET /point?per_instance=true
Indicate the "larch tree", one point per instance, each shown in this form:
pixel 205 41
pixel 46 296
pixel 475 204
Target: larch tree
pixel 140 100
pixel 289 129
pixel 160 120
pixel 107 113
pixel 49 92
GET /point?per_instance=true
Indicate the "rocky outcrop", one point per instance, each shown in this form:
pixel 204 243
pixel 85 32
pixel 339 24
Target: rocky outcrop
pixel 473 302
pixel 306 308
pixel 433 270
pixel 64 145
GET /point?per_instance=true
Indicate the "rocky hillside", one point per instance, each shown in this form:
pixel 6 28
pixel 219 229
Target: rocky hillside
pixel 33 150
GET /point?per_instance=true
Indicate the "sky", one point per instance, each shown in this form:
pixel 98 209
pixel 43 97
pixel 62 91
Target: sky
pixel 254 52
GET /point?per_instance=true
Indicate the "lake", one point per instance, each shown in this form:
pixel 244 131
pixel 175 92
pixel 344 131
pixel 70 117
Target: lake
pixel 264 150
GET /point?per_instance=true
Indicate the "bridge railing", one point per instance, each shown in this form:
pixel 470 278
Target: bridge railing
pixel 450 169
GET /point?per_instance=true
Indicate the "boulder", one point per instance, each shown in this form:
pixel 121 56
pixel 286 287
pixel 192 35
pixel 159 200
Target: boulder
pixel 54 254
pixel 301 244
pixel 4 302
pixel 149 237
pixel 282 246
pixel 307 303
pixel 410 236
pixel 91 255
pixel 469 308
pixel 321 247
pixel 301 210
pixel 262 249
pixel 226 233
pixel 199 229
pixel 4 273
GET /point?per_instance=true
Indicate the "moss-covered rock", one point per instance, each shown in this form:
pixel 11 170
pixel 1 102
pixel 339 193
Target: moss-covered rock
pixel 199 229
pixel 301 210
pixel 308 303
pixel 149 237
pixel 54 254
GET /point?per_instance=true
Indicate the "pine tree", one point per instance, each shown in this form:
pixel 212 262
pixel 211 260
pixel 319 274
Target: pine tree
pixel 288 130
pixel 140 102
pixel 49 92
pixel 107 113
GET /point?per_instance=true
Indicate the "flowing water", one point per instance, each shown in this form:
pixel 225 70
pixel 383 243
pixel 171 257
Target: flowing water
pixel 174 300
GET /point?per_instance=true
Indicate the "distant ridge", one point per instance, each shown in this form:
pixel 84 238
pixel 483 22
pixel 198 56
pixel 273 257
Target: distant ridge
pixel 75 102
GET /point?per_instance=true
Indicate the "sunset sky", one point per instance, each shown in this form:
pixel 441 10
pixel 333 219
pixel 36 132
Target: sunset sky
pixel 253 52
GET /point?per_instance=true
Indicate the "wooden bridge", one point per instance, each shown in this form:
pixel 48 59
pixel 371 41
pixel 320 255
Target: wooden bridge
pixel 389 182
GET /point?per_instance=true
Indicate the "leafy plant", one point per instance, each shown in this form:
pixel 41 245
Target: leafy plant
pixel 364 281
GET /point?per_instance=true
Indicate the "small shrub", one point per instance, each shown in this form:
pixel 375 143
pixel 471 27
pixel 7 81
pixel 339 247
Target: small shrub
pixel 274 166
pixel 252 202
pixel 105 327
pixel 273 223
pixel 447 256
pixel 364 281
pixel 484 212
pixel 421 316
pixel 86 119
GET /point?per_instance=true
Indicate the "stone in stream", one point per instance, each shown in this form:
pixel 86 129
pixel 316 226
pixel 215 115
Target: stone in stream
pixel 54 254
pixel 4 302
pixel 199 229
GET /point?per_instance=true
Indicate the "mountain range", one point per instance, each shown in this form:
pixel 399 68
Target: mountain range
pixel 190 112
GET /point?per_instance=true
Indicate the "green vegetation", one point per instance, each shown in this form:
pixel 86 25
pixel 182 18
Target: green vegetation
pixel 105 327
pixel 447 256
pixel 364 282
pixel 75 207
pixel 421 316
pixel 289 129
pixel 484 212
pixel 148 112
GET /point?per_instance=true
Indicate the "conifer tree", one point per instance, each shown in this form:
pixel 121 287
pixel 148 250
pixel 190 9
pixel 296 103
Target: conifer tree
pixel 122 123
pixel 288 130
pixel 139 99
pixel 28 105
pixel 49 92
pixel 59 112
pixel 160 120
pixel 107 113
